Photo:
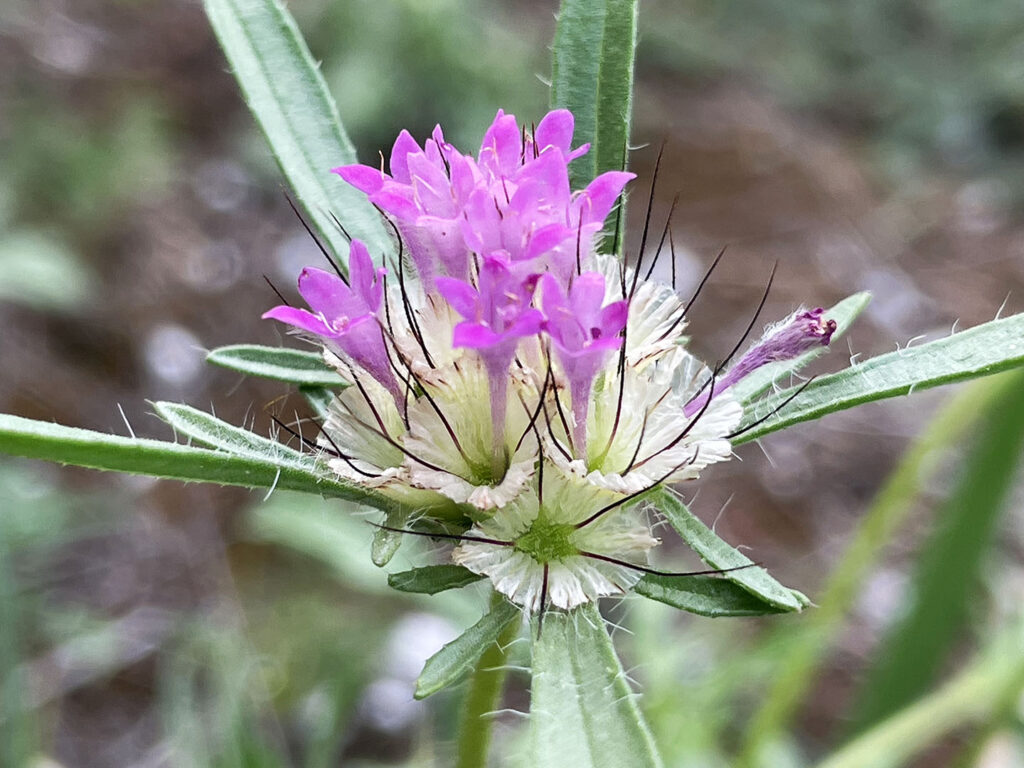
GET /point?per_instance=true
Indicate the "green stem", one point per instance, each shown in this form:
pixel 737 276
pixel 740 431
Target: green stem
pixel 482 698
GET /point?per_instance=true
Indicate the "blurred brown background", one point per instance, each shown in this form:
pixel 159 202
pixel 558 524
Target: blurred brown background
pixel 871 146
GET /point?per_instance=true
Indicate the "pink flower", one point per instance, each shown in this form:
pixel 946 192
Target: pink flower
pixel 424 195
pixel 498 314
pixel 345 316
pixel 801 332
pixel 584 333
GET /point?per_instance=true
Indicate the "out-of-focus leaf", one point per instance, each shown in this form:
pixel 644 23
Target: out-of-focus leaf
pixel 431 579
pixel 704 595
pixel 582 711
pixel 980 351
pixel 455 660
pixel 844 313
pixel 288 97
pixel 292 365
pixel 808 641
pixel 592 75
pixel 719 554
pixel 995 679
pixel 39 271
pixel 948 568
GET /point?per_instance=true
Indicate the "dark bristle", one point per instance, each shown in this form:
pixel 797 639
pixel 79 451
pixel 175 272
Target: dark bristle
pixel 656 572
pixel 774 411
pixel 279 295
pixel 460 537
pixel 647 222
pixel 661 242
pixel 309 231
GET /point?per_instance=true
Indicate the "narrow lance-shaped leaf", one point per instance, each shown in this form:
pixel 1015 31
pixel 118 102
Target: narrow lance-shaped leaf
pixel 431 579
pixel 719 554
pixel 294 366
pixel 208 430
pixel 592 75
pixel 95 450
pixel 453 662
pixel 844 313
pixel 582 711
pixel 980 351
pixel 709 596
pixel 291 103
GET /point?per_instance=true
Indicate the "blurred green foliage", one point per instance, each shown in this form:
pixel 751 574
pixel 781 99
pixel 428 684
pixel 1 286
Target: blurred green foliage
pixel 938 82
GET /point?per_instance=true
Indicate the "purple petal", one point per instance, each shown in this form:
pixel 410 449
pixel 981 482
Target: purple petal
pixel 594 203
pixel 555 130
pixel 362 177
pixel 405 145
pixel 366 283
pixel 501 148
pixel 462 296
pixel 474 336
pixel 299 318
pixel 396 200
pixel 613 319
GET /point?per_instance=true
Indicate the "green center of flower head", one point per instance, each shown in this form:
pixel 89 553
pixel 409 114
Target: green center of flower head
pixel 546 541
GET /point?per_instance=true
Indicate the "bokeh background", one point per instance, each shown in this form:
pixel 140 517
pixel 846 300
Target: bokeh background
pixel 864 146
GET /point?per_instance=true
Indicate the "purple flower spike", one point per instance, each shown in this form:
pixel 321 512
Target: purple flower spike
pixel 345 316
pixel 800 332
pixel 498 314
pixel 584 333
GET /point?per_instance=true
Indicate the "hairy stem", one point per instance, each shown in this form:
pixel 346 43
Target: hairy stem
pixel 483 697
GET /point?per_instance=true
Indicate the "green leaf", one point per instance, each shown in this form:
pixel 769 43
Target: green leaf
pixel 981 351
pixel 455 660
pixel 844 313
pixel 431 579
pixel 948 569
pixel 319 400
pixel 718 554
pixel 210 431
pixel 704 595
pixel 289 98
pixel 592 75
pixel 292 365
pixel 582 710
pixel 95 450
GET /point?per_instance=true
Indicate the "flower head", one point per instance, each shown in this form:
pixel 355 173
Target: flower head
pixel 516 393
